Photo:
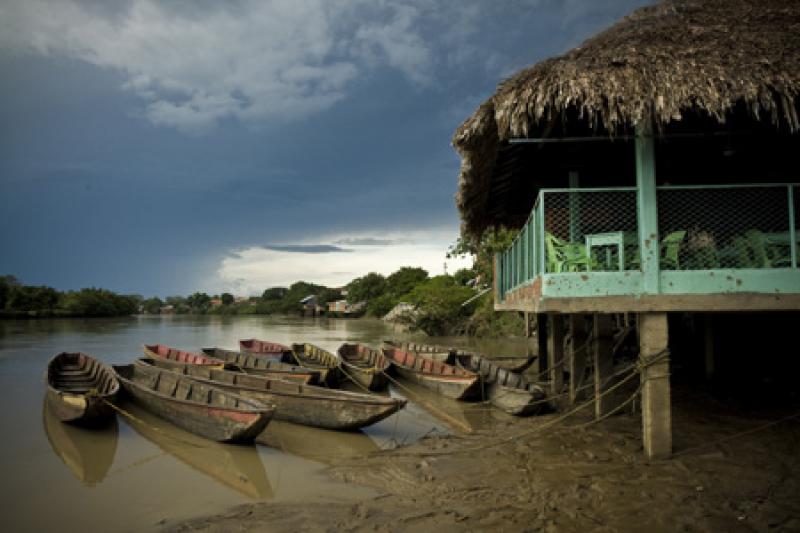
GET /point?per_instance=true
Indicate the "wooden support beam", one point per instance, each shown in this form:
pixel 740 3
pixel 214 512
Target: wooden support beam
pixel 541 337
pixel 603 354
pixel 708 338
pixel 656 404
pixel 555 354
pixel 577 356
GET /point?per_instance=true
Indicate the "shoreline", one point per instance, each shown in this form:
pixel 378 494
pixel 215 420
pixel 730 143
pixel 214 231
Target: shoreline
pixel 731 471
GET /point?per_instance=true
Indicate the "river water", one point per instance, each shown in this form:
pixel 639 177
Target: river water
pixel 143 473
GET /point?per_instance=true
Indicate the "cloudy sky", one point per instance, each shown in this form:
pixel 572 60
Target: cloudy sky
pixel 167 147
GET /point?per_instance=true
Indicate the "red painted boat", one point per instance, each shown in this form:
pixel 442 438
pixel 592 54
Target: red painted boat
pixel 271 349
pixel 180 357
pixel 445 379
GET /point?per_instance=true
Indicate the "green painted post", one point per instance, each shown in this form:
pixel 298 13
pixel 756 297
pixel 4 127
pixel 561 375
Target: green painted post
pixel 541 233
pixel 646 208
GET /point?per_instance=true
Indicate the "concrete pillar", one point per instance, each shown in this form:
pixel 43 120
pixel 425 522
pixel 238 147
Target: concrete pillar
pixel 656 405
pixel 708 338
pixel 603 355
pixel 555 354
pixel 577 356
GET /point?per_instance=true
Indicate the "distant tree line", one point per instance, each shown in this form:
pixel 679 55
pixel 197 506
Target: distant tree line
pixel 18 300
pixel 439 303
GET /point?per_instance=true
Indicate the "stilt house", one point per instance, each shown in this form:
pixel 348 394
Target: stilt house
pixel 652 169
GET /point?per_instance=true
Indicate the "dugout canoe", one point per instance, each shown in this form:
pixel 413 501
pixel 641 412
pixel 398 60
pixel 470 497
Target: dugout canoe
pixel 263 366
pixel 196 407
pixel 180 357
pixel 79 388
pixel 512 363
pixel 445 379
pixel 506 390
pixel 301 404
pixel 443 354
pixel 364 365
pixel 323 361
pixel 273 350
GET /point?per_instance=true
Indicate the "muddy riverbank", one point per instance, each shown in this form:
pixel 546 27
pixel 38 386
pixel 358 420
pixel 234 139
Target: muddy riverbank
pixel 734 470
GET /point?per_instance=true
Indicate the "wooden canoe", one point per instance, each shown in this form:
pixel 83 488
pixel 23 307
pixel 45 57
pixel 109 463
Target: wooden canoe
pixel 279 352
pixel 180 357
pixel 315 358
pixel 443 354
pixel 365 366
pixel 264 366
pixel 445 379
pixel 301 404
pixel 79 389
pixel 196 407
pixel 505 390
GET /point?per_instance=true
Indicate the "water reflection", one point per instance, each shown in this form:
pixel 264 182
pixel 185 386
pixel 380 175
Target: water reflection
pixel 458 416
pixel 236 466
pixel 88 453
pixel 322 445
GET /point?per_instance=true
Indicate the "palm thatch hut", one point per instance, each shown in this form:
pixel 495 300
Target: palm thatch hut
pixel 648 170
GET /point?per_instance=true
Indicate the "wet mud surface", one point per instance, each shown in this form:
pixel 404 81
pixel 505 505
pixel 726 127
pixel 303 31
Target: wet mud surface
pixel 732 471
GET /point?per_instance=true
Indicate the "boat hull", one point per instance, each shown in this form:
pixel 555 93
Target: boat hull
pixel 365 366
pixel 506 390
pixel 260 365
pixel 221 420
pixel 302 404
pixel 457 388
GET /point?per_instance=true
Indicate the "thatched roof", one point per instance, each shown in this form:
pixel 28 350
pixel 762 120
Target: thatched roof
pixel 656 66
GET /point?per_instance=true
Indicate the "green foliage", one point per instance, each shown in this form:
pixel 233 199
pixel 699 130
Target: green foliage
pixel 96 302
pixel 404 280
pixel 227 298
pixel 199 302
pixel 381 305
pixel 439 305
pixel 486 322
pixel 7 284
pixel 328 295
pixel 366 288
pixel 152 305
pixel 463 275
pixel 492 241
pixel 30 299
pixel 274 293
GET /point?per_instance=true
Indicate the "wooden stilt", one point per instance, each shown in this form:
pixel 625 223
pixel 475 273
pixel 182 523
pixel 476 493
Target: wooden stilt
pixel 656 405
pixel 541 338
pixel 577 356
pixel 602 352
pixel 555 354
pixel 708 337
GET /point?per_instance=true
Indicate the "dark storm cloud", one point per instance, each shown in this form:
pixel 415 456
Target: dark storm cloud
pixel 140 168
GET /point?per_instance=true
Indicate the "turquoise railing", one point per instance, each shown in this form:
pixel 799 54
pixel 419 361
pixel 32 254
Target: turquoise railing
pixel 594 232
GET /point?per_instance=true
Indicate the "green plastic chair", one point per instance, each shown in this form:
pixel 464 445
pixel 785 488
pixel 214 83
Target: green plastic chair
pixel 669 254
pixel 670 250
pixel 564 256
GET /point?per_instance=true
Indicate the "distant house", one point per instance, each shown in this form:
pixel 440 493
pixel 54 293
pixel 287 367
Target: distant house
pixel 344 308
pixel 241 299
pixel 339 306
pixel 167 310
pixel 216 302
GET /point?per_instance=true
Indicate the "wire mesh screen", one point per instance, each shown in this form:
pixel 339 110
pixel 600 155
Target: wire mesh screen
pixel 724 227
pixel 590 231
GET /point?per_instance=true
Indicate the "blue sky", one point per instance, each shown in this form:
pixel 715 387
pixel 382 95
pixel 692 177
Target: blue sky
pixel 167 147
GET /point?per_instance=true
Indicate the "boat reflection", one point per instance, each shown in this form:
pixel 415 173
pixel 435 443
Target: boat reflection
pixel 238 467
pixel 322 445
pixel 458 416
pixel 88 453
